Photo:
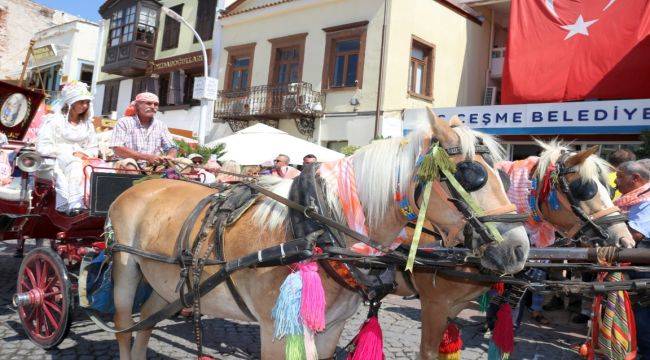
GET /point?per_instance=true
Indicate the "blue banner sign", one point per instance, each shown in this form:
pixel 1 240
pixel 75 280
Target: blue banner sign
pixel 586 117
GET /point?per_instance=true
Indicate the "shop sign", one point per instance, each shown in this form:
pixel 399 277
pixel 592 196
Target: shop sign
pixel 631 116
pixel 44 52
pixel 185 61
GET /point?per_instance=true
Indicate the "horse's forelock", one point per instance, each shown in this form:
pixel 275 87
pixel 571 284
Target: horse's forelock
pixel 594 167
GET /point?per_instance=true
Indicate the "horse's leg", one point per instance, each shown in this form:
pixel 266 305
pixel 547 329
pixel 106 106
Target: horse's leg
pixel 326 341
pixel 154 303
pixel 434 321
pixel 126 277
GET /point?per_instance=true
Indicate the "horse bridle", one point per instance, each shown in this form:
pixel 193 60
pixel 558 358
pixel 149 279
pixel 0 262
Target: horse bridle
pixel 597 222
pixel 474 224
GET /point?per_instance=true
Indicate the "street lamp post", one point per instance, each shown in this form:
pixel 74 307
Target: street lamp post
pixel 205 102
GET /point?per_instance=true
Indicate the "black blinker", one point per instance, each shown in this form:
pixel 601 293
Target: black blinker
pixel 583 191
pixel 471 175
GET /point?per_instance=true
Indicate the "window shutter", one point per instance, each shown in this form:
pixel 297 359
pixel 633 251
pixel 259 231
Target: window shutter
pixel 205 16
pixel 176 84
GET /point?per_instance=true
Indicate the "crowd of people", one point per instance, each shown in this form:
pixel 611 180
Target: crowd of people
pixel 141 143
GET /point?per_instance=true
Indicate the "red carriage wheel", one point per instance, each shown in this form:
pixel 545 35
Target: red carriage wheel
pixel 44 297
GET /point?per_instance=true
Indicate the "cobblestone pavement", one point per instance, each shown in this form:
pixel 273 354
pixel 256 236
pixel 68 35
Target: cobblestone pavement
pixel 173 339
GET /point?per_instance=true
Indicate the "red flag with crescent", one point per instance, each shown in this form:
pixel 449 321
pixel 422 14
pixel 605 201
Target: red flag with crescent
pixel 563 50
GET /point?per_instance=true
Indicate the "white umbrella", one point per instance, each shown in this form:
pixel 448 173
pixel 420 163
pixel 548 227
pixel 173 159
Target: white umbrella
pixel 260 143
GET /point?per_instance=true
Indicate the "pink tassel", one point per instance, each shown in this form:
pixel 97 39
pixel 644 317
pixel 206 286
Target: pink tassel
pixel 369 343
pixel 312 302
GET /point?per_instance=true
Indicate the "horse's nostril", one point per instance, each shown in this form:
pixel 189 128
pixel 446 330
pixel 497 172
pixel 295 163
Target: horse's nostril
pixel 519 253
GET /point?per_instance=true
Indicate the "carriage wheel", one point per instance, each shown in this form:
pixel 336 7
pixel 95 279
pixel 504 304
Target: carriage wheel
pixel 44 297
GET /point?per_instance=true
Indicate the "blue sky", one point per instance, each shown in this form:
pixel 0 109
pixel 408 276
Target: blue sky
pixel 86 9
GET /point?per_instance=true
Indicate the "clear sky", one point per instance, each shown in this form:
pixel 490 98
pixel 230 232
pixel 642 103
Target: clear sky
pixel 86 9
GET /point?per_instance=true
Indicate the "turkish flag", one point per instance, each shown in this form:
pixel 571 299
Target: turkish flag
pixel 562 50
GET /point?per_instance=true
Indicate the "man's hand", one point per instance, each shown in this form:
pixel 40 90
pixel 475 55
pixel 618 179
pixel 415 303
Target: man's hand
pixel 152 159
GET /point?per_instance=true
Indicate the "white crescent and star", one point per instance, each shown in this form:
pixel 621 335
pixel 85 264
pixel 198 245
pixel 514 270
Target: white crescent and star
pixel 580 26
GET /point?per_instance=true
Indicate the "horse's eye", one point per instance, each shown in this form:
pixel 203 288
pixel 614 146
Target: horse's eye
pixel 583 190
pixel 471 175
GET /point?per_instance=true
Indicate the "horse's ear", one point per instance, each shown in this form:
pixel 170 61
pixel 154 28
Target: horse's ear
pixel 441 129
pixel 455 121
pixel 580 157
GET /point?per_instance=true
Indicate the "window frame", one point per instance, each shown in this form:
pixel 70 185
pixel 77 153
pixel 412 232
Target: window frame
pixel 341 33
pixel 239 51
pixel 429 67
pixel 124 10
pixel 286 42
pixel 111 87
pixel 204 24
pixel 170 40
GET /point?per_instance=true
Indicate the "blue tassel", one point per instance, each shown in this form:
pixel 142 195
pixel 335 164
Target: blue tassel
pixel 286 311
pixel 553 200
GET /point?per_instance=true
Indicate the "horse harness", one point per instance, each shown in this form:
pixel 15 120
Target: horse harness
pixel 575 192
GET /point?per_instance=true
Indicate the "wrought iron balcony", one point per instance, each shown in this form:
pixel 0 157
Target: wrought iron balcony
pixel 270 101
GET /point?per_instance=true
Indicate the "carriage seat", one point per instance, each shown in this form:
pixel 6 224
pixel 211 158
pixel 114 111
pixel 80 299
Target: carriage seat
pixel 11 192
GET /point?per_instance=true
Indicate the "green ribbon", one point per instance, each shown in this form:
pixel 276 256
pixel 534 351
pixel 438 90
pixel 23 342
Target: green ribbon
pixel 418 227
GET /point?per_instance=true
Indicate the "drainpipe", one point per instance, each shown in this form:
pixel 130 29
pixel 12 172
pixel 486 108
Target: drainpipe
pixel 381 72
pixel 491 45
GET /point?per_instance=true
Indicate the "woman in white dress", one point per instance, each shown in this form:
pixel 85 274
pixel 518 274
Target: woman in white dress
pixel 69 135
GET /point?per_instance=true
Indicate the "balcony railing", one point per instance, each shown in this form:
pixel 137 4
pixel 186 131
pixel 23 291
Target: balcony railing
pixel 270 101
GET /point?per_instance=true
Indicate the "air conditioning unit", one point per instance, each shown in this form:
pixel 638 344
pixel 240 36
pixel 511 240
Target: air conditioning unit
pixel 490 97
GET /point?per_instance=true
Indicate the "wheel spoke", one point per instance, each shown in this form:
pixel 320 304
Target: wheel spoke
pixel 50 283
pixel 54 307
pixel 44 271
pixel 23 285
pixel 37 272
pixel 30 276
pixel 53 293
pixel 51 318
pixel 46 326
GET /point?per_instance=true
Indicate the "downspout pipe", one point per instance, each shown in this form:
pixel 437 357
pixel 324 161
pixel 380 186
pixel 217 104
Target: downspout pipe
pixel 380 82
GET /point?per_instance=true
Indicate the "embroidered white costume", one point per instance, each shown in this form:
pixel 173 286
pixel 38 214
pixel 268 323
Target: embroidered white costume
pixel 59 138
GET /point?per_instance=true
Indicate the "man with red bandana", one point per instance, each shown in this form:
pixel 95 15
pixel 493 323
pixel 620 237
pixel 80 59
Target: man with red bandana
pixel 139 137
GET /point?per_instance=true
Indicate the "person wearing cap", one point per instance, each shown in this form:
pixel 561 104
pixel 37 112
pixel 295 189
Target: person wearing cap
pixel 139 137
pixel 68 134
pixel 197 159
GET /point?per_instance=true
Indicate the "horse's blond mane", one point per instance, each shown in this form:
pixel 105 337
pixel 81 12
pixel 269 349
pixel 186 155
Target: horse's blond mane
pixel 593 167
pixel 382 168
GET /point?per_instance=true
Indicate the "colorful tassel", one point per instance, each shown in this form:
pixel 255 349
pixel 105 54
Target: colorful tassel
pixel 433 162
pixel 503 334
pixel 494 353
pixel 484 302
pixel 451 344
pixel 369 343
pixel 499 287
pixel 311 352
pixel 312 303
pixel 286 311
pixel 295 347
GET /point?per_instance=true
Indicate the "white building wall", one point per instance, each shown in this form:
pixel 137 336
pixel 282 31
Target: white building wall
pixel 19 21
pixel 124 96
pixel 99 99
pixel 182 119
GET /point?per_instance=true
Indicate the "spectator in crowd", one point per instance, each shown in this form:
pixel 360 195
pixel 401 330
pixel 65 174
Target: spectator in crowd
pixel 645 163
pixel 197 159
pixel 633 181
pixel 309 159
pixel 282 169
pixel 227 170
pixel 615 159
pixel 69 136
pixel 140 139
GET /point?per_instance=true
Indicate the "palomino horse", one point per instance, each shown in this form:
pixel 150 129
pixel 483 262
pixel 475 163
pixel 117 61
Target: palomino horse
pixel 149 216
pixel 444 297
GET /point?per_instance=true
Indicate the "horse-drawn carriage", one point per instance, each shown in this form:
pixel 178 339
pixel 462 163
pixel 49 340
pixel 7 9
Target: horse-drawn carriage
pixel 47 284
